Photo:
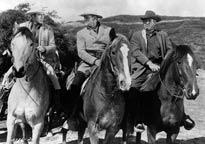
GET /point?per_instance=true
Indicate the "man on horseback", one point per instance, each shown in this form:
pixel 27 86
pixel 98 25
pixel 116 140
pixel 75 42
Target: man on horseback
pixel 91 42
pixel 149 47
pixel 44 38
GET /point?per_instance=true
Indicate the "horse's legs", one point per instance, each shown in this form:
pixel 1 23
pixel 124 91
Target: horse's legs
pixel 64 133
pixel 36 131
pixel 11 129
pixel 92 129
pixel 22 125
pixel 151 135
pixel 124 134
pixel 49 117
pixel 171 138
pixel 81 133
pixel 110 134
pixel 1 109
pixel 138 137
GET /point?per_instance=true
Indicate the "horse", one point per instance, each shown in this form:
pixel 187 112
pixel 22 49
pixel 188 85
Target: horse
pixel 162 96
pixel 102 99
pixel 29 97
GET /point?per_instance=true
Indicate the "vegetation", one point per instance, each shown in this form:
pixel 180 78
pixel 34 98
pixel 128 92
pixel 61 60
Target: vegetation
pixel 182 30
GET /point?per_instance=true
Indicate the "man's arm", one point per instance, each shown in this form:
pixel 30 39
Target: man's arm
pixel 51 47
pixel 82 53
pixel 136 51
pixel 168 44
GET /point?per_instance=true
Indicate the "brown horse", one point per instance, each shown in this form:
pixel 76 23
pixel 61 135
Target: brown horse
pixel 162 108
pixel 103 102
pixel 29 97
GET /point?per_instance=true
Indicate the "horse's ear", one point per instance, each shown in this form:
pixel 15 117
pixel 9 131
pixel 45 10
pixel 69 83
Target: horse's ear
pixel 15 28
pixel 174 47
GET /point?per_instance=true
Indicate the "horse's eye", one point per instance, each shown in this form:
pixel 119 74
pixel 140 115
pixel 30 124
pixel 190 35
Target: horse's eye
pixel 179 62
pixel 113 52
pixel 31 44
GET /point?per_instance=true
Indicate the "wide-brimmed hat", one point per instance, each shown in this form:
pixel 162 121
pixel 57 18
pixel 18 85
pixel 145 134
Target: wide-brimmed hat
pixel 86 16
pixel 151 15
pixel 36 10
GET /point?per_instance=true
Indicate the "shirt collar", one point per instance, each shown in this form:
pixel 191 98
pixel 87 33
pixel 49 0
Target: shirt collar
pixel 96 29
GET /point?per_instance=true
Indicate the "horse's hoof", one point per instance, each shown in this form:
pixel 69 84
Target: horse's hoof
pixel 50 134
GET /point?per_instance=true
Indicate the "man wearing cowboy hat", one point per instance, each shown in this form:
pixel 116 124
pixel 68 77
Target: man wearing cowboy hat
pixel 44 38
pixel 91 42
pixel 149 47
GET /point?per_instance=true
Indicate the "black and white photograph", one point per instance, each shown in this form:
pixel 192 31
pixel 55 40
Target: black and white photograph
pixel 102 72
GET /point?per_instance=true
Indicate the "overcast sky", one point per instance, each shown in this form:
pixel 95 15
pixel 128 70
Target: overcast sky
pixel 70 10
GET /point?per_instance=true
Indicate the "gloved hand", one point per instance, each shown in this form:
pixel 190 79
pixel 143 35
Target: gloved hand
pixel 97 62
pixel 152 66
pixel 41 49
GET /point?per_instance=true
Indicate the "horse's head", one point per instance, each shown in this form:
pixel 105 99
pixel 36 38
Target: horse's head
pixel 186 65
pixel 181 64
pixel 118 54
pixel 22 51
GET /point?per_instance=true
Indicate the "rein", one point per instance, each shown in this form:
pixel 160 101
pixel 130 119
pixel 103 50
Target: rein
pixel 172 94
pixel 27 92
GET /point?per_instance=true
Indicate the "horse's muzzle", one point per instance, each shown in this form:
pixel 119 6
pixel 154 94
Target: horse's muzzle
pixel 20 73
pixel 192 96
pixel 124 83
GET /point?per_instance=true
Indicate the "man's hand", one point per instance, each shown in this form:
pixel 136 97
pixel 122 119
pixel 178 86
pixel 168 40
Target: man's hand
pixel 97 62
pixel 41 49
pixel 153 67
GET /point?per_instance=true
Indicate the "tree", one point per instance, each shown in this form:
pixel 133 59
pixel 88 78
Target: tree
pixel 23 7
pixel 7 20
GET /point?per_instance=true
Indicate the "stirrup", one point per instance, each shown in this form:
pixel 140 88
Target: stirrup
pixel 139 128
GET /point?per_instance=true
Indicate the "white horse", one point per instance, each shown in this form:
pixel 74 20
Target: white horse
pixel 29 98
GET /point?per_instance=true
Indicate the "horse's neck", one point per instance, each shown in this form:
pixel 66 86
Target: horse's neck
pixel 106 79
pixel 170 83
pixel 33 68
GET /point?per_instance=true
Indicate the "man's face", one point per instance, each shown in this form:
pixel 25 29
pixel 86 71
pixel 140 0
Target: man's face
pixel 92 21
pixel 40 18
pixel 149 24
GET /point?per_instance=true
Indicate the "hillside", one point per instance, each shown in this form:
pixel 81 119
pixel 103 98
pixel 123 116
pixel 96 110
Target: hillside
pixel 182 30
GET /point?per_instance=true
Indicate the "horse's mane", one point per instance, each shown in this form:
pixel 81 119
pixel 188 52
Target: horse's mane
pixel 115 42
pixel 177 53
pixel 25 32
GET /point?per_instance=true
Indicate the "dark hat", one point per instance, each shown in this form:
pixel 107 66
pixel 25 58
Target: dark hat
pixel 86 16
pixel 151 15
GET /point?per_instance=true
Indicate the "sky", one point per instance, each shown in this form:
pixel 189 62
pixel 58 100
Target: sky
pixel 70 10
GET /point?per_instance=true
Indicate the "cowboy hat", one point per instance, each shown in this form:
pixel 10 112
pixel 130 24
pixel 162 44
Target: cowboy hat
pixel 86 16
pixel 151 15
pixel 36 10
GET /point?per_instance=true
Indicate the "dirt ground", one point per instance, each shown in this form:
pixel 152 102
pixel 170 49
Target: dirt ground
pixel 195 108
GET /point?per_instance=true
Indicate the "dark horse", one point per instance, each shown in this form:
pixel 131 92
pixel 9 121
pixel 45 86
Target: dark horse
pixel 163 107
pixel 103 102
pixel 5 64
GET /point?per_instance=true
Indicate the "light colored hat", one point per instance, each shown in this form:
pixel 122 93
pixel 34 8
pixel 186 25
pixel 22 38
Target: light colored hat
pixel 37 9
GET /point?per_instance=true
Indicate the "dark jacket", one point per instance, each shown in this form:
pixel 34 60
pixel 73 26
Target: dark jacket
pixel 138 51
